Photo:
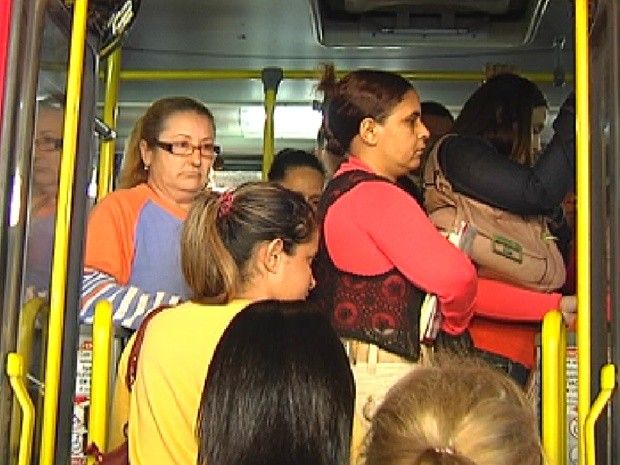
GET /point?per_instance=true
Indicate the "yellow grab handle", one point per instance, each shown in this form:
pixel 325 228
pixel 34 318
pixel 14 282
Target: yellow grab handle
pixel 16 371
pixel 608 382
pixel 25 336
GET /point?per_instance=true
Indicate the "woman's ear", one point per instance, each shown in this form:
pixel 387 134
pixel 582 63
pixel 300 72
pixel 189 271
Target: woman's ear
pixel 146 153
pixel 272 255
pixel 368 131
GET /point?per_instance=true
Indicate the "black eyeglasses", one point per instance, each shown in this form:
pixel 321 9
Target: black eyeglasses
pixel 48 144
pixel 184 148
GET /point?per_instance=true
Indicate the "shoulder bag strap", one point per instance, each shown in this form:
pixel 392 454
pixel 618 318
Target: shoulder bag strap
pixel 132 367
pixel 433 174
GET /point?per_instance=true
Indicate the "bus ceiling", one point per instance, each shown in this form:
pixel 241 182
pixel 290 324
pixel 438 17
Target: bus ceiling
pixel 477 23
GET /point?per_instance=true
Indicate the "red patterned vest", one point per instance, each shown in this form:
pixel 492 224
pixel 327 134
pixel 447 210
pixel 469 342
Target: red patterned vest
pixel 382 309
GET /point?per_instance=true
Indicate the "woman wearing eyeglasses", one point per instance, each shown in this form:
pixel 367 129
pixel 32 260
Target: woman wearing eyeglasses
pixel 132 245
pixel 44 176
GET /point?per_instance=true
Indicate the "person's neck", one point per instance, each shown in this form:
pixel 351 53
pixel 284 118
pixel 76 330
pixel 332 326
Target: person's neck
pixel 253 292
pixel 374 163
pixel 182 202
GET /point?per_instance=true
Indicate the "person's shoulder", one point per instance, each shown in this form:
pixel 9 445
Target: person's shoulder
pixel 197 315
pixel 124 200
pixel 459 142
pixel 378 187
pixel 139 193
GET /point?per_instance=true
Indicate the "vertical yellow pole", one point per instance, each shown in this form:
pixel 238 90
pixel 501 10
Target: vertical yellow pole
pixel 105 173
pixel 554 388
pixel 271 78
pixel 100 376
pixel 61 233
pixel 583 218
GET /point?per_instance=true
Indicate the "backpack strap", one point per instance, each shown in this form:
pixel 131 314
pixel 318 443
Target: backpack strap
pixel 132 367
pixel 433 174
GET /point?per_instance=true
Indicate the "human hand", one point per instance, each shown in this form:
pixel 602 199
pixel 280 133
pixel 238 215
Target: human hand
pixel 564 123
pixel 569 103
pixel 568 307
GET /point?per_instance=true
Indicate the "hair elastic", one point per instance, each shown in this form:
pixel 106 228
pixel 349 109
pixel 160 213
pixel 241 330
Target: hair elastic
pixel 226 201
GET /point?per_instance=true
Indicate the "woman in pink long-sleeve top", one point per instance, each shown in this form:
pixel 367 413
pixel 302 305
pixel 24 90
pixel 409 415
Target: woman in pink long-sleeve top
pixel 379 254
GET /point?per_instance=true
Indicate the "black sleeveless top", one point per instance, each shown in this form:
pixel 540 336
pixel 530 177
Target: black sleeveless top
pixel 382 309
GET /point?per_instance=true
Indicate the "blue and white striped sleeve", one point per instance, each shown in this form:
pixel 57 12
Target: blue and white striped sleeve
pixel 129 304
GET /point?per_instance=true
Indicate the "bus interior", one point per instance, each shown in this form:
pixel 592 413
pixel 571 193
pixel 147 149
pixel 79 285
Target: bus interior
pixel 256 64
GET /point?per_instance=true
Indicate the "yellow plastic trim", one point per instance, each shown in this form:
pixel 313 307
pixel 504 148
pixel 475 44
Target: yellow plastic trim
pixel 105 173
pixel 225 74
pixel 61 233
pixel 608 382
pixel 268 134
pixel 583 216
pixel 16 371
pixel 100 378
pixel 554 388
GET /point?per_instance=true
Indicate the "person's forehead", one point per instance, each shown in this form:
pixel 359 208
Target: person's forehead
pixel 410 103
pixel 186 119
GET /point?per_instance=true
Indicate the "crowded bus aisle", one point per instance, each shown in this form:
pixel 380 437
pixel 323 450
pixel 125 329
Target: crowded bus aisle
pixel 424 229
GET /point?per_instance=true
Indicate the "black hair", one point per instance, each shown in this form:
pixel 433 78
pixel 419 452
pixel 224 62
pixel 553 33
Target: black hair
pixel 288 158
pixel 500 110
pixel 436 109
pixel 279 391
pixel 360 94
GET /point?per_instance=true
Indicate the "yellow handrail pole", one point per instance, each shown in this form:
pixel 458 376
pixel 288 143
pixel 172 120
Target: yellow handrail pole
pixel 100 377
pixel 583 217
pixel 608 382
pixel 271 78
pixel 16 371
pixel 61 233
pixel 105 173
pixel 553 391
pixel 214 74
pixel 563 395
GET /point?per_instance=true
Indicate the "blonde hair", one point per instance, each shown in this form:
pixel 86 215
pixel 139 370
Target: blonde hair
pixel 459 412
pixel 221 233
pixel 147 128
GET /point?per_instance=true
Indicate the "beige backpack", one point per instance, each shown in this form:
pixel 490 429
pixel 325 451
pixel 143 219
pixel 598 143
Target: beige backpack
pixel 507 247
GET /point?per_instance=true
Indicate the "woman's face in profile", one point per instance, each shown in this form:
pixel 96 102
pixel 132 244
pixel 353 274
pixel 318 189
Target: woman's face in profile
pixel 402 137
pixel 539 117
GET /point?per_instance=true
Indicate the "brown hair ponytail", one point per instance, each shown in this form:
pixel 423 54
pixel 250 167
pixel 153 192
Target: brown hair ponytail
pixel 221 234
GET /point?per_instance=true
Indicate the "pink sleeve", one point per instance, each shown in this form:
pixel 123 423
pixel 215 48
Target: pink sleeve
pixel 502 301
pixel 400 230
